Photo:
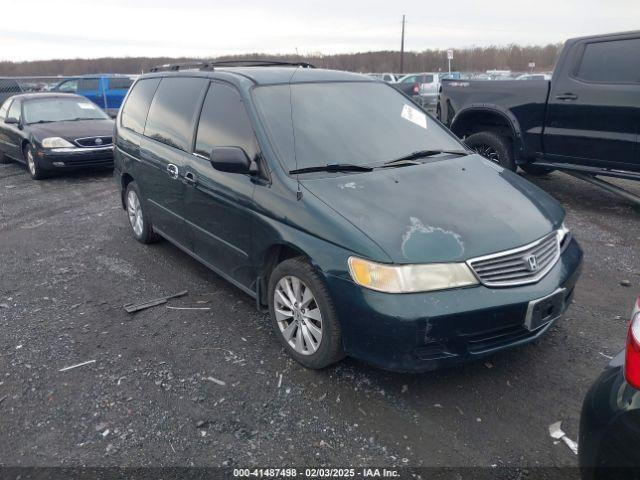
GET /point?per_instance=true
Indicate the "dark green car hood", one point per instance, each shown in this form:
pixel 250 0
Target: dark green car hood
pixel 446 210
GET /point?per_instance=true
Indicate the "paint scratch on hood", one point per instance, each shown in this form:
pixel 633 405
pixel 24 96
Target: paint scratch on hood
pixel 352 185
pixel 435 239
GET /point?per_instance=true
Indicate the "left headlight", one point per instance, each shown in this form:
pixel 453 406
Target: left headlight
pixel 410 278
pixel 56 142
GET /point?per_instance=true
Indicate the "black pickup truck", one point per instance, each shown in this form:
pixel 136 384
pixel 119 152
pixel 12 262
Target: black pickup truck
pixel 585 121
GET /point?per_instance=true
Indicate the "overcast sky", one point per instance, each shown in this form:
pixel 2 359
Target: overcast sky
pixel 208 28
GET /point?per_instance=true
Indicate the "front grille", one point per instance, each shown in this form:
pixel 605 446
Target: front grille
pixel 94 141
pixel 520 266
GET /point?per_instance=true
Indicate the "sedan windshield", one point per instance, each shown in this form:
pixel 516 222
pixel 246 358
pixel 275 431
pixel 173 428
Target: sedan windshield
pixel 60 109
pixel 356 123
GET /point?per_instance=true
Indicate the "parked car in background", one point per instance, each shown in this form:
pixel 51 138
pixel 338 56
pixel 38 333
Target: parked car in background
pixel 461 260
pixel 8 88
pixel 54 132
pixel 423 88
pixel 385 77
pixel 585 119
pixel 610 422
pixel 106 91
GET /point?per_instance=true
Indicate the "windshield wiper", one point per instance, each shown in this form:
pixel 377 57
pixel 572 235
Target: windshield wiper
pixel 333 167
pixel 427 153
pixel 40 121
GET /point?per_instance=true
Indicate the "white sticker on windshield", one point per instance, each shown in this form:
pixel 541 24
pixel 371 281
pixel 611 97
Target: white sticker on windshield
pixel 414 115
pixel 87 106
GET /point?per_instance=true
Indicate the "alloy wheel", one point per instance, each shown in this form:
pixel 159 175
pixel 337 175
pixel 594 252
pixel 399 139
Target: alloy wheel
pixel 31 164
pixel 298 315
pixel 135 212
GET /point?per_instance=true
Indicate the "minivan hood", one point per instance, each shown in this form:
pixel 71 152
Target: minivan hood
pixel 446 210
pixel 73 129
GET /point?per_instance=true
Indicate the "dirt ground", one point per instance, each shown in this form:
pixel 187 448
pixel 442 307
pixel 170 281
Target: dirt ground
pixel 214 388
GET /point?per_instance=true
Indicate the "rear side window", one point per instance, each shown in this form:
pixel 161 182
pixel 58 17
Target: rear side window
pixel 174 110
pixel 120 83
pixel 134 112
pixel 615 61
pixel 88 84
pixel 224 122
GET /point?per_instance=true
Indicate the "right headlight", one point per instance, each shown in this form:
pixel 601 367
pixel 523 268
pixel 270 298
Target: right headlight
pixel 410 278
pixel 56 142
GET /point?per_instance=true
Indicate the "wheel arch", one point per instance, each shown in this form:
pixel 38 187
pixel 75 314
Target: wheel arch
pixel 492 118
pixel 125 179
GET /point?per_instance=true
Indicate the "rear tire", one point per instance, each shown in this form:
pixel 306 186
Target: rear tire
pixel 303 315
pixel 33 166
pixel 493 147
pixel 536 169
pixel 138 219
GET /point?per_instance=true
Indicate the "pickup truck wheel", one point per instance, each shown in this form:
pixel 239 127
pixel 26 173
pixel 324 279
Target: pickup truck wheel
pixel 303 315
pixel 493 147
pixel 536 169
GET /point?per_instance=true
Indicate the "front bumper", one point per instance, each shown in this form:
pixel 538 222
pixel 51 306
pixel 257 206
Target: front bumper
pixel 425 331
pixel 75 158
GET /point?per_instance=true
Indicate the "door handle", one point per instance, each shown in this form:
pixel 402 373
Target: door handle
pixel 172 170
pixel 567 96
pixel 190 178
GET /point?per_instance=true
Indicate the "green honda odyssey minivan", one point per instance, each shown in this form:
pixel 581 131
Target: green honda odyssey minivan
pixel 360 223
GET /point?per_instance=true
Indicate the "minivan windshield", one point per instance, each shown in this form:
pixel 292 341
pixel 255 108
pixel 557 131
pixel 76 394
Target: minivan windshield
pixel 355 123
pixel 60 109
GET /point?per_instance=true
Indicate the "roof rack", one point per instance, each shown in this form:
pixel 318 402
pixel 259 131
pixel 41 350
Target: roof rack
pixel 174 67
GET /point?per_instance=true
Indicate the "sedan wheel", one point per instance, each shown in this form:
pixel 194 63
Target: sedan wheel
pixel 298 315
pixel 31 163
pixel 135 213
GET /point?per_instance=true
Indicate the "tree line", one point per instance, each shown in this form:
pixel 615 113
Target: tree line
pixel 473 59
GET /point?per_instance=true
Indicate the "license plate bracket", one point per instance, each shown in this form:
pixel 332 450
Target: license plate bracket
pixel 544 310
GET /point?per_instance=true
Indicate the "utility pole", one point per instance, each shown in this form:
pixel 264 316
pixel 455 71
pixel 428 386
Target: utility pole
pixel 402 48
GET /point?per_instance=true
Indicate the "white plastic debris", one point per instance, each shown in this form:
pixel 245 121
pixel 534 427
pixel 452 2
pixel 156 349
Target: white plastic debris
pixel 556 432
pixel 216 381
pixel 77 365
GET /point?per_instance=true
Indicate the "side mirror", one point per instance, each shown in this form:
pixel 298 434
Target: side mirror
pixel 230 159
pixel 11 120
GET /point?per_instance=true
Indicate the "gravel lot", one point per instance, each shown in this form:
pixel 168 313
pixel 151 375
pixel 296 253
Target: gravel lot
pixel 155 394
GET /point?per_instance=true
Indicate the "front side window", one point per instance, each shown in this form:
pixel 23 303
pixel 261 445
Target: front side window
pixel 224 122
pixel 411 79
pixel 61 109
pixel 14 110
pixel 135 110
pixel 427 79
pixel 174 109
pixel 68 86
pixel 616 61
pixel 338 123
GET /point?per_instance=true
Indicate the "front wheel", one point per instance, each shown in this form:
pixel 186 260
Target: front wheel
pixel 303 315
pixel 494 147
pixel 33 166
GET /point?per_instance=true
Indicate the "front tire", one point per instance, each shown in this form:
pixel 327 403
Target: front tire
pixel 303 315
pixel 33 166
pixel 493 147
pixel 138 219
